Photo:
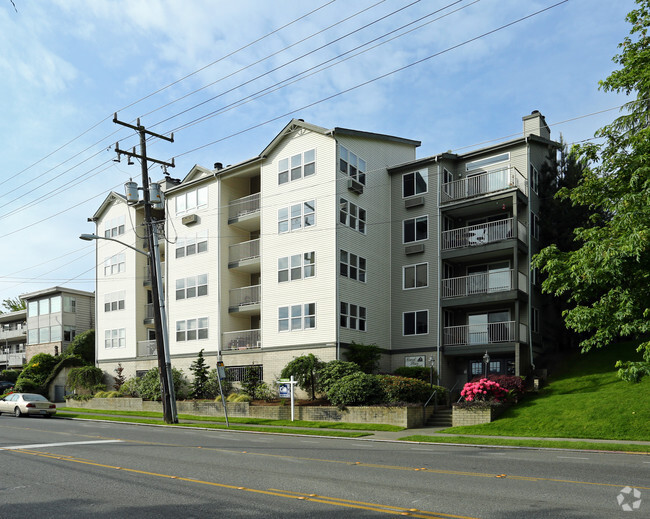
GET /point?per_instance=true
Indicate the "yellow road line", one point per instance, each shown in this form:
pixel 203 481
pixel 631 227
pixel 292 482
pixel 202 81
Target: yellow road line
pixel 271 492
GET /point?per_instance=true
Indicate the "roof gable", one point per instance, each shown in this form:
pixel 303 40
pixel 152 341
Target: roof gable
pixel 108 202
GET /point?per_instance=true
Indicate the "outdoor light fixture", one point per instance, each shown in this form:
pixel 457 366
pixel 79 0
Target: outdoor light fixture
pixel 486 361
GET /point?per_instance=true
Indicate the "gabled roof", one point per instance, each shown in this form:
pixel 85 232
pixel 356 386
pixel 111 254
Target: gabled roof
pixel 290 127
pixel 196 173
pixel 108 201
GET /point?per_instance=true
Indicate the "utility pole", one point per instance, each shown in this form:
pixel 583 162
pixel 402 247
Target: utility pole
pixel 162 345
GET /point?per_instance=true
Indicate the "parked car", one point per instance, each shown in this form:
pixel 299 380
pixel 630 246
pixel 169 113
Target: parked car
pixel 5 385
pixel 20 404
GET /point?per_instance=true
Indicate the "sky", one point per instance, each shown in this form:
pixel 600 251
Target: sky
pixel 226 77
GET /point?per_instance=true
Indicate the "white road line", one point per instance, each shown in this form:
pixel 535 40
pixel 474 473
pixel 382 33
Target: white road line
pixel 572 458
pixel 62 444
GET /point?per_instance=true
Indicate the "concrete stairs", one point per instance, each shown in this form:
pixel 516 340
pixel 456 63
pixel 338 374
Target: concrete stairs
pixel 440 418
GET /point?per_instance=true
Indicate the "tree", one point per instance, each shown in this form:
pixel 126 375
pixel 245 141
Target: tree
pixel 119 378
pixel 305 372
pixel 606 279
pixel 365 355
pixel 200 370
pixel 12 304
pixel 83 345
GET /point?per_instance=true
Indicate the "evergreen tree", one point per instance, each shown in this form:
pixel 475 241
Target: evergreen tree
pixel 200 371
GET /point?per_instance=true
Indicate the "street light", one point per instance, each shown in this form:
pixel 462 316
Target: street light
pixel 486 361
pixel 162 340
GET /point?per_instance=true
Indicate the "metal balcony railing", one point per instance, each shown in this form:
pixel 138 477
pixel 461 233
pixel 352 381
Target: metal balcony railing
pixel 147 273
pixel 244 250
pixel 245 296
pixel 241 340
pixel 489 182
pixel 479 283
pixel 480 234
pixel 244 206
pixel 148 311
pixel 147 349
pixel 488 333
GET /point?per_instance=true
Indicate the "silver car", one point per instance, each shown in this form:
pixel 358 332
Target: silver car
pixel 21 404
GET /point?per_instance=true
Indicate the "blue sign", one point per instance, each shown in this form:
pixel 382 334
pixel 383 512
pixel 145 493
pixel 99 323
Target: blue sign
pixel 284 390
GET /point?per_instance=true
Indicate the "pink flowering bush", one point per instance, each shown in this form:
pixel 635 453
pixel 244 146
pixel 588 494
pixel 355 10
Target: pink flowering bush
pixel 483 390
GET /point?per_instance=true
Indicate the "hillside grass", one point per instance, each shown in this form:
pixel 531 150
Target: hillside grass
pixel 584 399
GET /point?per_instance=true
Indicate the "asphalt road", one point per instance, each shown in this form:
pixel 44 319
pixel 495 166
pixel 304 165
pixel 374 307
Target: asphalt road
pixel 75 469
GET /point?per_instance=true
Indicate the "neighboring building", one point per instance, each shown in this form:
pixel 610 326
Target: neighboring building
pixel 330 237
pixel 54 316
pixel 13 338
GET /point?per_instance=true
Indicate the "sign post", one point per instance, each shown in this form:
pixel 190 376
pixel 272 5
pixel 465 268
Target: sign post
pixel 222 376
pixel 285 389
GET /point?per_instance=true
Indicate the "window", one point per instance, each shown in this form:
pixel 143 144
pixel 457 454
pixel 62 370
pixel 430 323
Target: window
pixel 115 338
pixel 297 216
pixel 55 333
pixel 534 179
pixel 192 329
pixel 415 183
pixel 69 333
pixel 191 200
pixel 352 215
pixel 415 276
pixel 353 317
pixel 534 273
pixel 297 167
pixel 55 304
pixel 351 165
pixel 297 317
pixel 114 265
pixel 416 323
pixel 44 307
pixel 298 266
pixel 114 301
pixel 483 163
pixel 535 321
pixel 416 229
pixel 195 244
pixel 352 266
pixel 32 308
pixel 534 225
pixel 114 227
pixel 194 286
pixel 32 338
pixel 69 304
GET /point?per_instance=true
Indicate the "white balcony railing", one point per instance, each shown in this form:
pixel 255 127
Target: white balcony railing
pixel 241 340
pixel 489 182
pixel 244 250
pixel 8 333
pixel 147 273
pixel 475 235
pixel 148 311
pixel 147 348
pixel 488 333
pixel 12 359
pixel 244 296
pixel 479 283
pixel 244 206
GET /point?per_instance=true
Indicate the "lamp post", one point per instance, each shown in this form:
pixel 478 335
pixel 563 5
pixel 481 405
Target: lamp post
pixel 431 370
pixel 486 361
pixel 164 364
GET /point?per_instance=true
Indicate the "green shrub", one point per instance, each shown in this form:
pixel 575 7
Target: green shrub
pixel 87 378
pixel 38 369
pixel 304 369
pixel 129 388
pixel 26 385
pixel 148 386
pixel 264 392
pixel 112 394
pixel 334 371
pixel 83 345
pixel 419 372
pixel 252 379
pixel 200 370
pixel 10 375
pixel 232 397
pixel 365 355
pixel 242 397
pixel 407 390
pixel 356 389
pixel 212 385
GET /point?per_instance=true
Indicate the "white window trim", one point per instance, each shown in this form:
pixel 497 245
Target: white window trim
pixel 485 163
pixel 363 229
pixel 303 214
pixel 425 174
pixel 186 329
pixel 200 193
pixel 302 317
pixel 186 286
pixel 534 179
pixel 415 332
pixel 414 265
pixel 115 298
pixel 360 176
pixel 415 218
pixel 302 167
pixel 302 266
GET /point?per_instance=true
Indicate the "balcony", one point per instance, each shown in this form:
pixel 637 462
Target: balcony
pixel 12 360
pixel 147 349
pixel 483 283
pixel 245 255
pixel 147 274
pixel 482 234
pixel 12 332
pixel 245 212
pixel 483 334
pixel 241 340
pixel 473 186
pixel 245 299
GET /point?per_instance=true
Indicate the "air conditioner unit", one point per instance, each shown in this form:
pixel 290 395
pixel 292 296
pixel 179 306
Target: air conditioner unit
pixel 414 202
pixel 355 186
pixel 189 219
pixel 414 249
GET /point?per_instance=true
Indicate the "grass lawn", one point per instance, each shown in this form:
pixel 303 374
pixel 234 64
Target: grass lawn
pixel 584 399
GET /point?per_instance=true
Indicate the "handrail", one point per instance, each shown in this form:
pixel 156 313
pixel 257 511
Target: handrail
pixel 432 395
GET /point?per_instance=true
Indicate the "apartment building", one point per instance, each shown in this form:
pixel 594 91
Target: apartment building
pixel 13 339
pixel 334 236
pixel 54 316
